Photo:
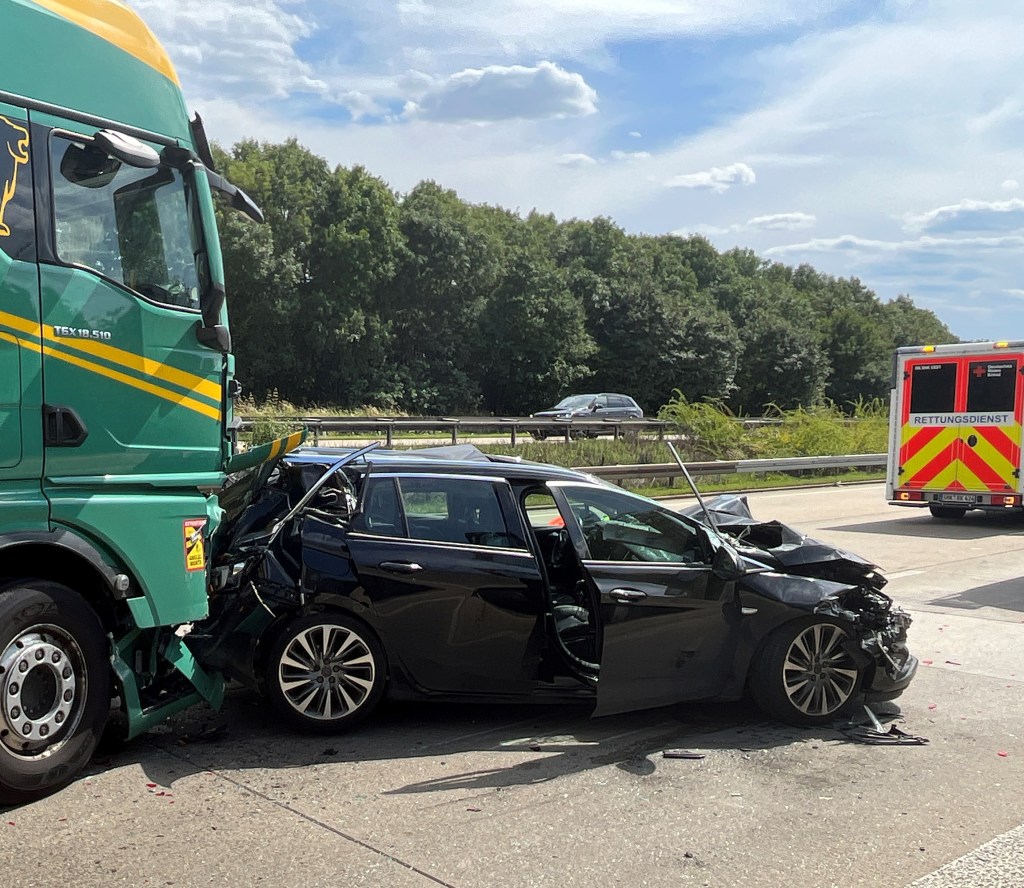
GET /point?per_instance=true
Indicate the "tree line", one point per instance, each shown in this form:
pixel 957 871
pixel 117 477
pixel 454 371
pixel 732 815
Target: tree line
pixel 352 295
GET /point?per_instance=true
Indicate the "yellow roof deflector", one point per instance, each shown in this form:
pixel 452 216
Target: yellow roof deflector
pixel 116 23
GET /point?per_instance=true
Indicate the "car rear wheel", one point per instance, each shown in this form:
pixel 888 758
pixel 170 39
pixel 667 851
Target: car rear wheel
pixel 803 674
pixel 54 688
pixel 952 512
pixel 325 672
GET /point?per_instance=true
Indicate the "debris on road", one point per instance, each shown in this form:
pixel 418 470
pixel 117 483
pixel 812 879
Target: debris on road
pixel 682 754
pixel 873 732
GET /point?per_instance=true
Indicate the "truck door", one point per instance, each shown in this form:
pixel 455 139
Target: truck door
pixel 129 389
pixel 961 425
pixel 20 349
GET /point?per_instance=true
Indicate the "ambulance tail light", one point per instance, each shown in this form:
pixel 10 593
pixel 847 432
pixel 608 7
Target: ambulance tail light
pixel 908 496
pixel 1008 501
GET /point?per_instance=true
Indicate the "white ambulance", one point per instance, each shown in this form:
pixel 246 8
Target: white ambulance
pixel 955 427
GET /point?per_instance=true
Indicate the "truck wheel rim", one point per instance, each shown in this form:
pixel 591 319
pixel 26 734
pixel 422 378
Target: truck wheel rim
pixel 43 682
pixel 818 675
pixel 327 672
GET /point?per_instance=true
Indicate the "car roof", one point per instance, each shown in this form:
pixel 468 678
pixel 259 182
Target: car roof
pixel 462 459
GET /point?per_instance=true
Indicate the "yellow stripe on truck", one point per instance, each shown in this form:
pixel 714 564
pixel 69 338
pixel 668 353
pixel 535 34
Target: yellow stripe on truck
pixel 57 347
pixel 197 384
pixel 117 24
pixel 117 376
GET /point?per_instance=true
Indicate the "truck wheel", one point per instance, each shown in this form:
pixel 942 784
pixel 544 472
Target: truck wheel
pixel 952 512
pixel 803 676
pixel 54 688
pixel 325 672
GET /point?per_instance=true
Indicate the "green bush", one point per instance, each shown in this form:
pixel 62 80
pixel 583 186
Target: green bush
pixel 709 428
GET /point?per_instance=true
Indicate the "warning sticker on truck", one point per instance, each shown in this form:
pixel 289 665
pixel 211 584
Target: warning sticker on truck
pixel 195 554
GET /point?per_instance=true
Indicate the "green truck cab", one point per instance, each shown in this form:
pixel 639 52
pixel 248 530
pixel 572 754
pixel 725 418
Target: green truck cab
pixel 116 384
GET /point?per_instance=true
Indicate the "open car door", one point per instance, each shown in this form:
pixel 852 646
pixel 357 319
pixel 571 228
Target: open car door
pixel 669 627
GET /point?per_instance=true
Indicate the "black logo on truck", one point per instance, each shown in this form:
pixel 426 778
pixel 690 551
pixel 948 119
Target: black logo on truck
pixel 13 154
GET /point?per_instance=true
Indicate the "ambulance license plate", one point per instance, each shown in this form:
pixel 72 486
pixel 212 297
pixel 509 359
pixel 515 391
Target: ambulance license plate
pixel 958 498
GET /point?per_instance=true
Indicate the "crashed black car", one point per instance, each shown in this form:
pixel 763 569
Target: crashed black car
pixel 451 575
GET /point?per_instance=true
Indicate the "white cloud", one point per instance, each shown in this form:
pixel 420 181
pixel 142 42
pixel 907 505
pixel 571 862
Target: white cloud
pixel 631 155
pixel 1009 184
pixel 773 222
pixel 634 134
pixel 926 244
pixel 782 221
pixel 405 31
pixel 578 160
pixel 717 179
pixel 242 49
pixel 507 93
pixel 970 215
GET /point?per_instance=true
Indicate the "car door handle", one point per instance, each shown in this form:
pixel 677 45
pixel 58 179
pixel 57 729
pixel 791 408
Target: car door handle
pixel 400 567
pixel 627 596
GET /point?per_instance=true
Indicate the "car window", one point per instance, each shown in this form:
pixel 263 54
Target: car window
pixel 541 511
pixel 381 513
pixel 454 510
pixel 621 527
pixel 616 401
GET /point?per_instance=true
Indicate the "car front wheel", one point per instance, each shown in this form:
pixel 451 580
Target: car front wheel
pixel 803 674
pixel 325 672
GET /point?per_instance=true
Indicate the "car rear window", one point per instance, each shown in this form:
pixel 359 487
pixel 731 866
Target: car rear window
pixel 444 510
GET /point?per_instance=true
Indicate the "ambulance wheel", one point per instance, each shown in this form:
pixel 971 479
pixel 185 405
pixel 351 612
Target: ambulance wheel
pixel 954 513
pixel 54 688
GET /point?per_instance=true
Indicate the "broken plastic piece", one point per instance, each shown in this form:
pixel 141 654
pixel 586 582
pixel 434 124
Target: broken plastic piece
pixel 893 737
pixel 682 754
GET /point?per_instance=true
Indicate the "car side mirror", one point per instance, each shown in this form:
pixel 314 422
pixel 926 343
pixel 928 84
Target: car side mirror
pixel 727 564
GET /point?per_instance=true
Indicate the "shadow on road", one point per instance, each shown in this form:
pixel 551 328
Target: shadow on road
pixel 1005 595
pixel 558 741
pixel 973 526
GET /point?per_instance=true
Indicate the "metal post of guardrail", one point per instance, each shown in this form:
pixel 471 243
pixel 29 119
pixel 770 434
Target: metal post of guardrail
pixel 455 429
pixel 388 433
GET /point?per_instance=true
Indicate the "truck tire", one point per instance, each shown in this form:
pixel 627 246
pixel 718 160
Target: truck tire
pixel 325 672
pixel 54 688
pixel 954 513
pixel 802 675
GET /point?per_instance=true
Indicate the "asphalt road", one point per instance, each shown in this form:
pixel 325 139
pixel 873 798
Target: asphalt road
pixel 531 796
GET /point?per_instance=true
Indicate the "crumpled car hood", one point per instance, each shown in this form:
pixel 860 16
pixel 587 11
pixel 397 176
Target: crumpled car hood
pixel 784 548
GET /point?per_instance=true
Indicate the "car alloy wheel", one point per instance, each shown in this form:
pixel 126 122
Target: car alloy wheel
pixel 803 675
pixel 325 671
pixel 818 675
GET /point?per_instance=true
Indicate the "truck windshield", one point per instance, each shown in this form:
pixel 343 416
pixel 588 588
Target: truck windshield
pixel 138 227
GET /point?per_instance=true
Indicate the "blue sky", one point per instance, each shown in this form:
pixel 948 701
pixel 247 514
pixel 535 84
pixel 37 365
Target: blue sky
pixel 882 140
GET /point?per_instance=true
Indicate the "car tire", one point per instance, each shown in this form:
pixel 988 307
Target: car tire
pixel 802 675
pixel 54 688
pixel 325 672
pixel 954 513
